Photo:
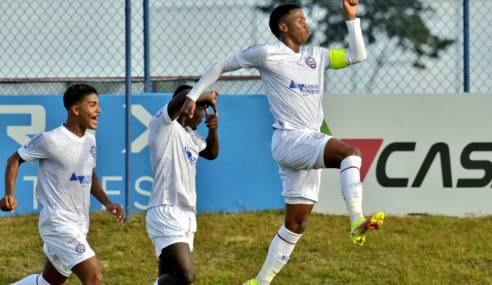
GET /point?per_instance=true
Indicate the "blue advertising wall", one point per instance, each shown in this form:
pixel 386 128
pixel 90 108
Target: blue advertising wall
pixel 243 178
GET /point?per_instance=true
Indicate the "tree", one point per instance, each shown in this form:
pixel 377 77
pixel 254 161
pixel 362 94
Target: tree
pixel 402 20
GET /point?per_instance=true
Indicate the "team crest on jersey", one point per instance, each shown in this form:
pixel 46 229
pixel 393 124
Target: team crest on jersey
pixel 80 248
pixel 34 140
pixel 311 62
pixel 193 137
pixel 93 151
pixel 189 156
pixel 320 135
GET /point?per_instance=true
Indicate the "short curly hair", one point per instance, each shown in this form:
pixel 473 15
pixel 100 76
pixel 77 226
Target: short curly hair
pixel 76 93
pixel 277 14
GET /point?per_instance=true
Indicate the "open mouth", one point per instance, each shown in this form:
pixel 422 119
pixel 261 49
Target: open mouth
pixel 94 119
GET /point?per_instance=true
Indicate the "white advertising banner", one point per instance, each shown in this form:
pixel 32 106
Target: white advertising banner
pixel 421 153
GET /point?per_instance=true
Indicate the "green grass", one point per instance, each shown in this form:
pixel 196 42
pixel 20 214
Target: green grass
pixel 231 248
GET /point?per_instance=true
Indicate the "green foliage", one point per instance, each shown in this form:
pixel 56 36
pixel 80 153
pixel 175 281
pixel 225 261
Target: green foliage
pixel 400 20
pixel 231 248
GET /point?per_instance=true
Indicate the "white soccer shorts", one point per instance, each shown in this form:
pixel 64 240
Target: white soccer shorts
pixel 298 153
pixel 167 225
pixel 66 248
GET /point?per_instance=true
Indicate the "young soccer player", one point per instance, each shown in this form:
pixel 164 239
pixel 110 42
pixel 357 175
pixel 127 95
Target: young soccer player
pixel 293 77
pixel 174 149
pixel 66 178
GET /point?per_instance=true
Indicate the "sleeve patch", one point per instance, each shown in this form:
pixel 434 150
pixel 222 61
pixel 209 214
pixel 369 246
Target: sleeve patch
pixel 337 59
pixel 34 140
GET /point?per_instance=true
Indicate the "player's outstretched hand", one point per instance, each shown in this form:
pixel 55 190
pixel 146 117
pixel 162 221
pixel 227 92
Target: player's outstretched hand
pixel 117 211
pixel 8 203
pixel 188 108
pixel 211 120
pixel 350 8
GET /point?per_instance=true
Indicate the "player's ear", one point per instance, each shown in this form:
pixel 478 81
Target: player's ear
pixel 75 109
pixel 282 27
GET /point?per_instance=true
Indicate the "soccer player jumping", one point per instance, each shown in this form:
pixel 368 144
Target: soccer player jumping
pixel 293 77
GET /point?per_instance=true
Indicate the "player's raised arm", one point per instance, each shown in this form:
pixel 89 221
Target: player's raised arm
pixel 97 191
pixel 211 76
pixel 350 8
pixel 211 152
pixel 176 103
pixel 9 202
pixel 356 53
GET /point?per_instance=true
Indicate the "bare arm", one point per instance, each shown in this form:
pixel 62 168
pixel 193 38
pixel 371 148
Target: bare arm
pixel 9 202
pixel 174 107
pixel 212 150
pixel 97 191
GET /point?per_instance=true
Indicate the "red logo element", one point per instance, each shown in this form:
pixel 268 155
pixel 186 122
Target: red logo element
pixel 369 149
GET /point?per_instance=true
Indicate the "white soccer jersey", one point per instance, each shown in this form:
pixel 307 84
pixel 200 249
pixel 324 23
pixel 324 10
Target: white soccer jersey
pixel 174 152
pixel 294 82
pixel 66 164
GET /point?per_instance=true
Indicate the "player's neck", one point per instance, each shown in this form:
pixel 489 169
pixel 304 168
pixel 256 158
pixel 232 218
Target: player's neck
pixel 75 128
pixel 182 121
pixel 290 44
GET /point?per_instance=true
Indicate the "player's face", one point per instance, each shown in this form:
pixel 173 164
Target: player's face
pixel 297 28
pixel 197 117
pixel 89 111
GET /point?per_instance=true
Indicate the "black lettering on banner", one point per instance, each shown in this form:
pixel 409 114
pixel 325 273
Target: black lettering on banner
pixel 467 163
pixel 381 175
pixel 442 149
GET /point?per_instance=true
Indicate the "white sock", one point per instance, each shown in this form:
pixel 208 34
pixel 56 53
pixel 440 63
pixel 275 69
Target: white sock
pixel 41 280
pixel 352 186
pixel 278 254
pixel 156 282
pixel 34 279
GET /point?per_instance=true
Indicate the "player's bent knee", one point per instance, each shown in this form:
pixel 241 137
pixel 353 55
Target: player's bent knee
pixel 187 276
pixel 352 151
pixel 94 278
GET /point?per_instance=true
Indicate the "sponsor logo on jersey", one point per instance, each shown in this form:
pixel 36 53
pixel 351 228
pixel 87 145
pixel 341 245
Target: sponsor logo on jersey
pixel 80 248
pixel 189 156
pixel 253 46
pixel 93 151
pixel 34 140
pixel 311 62
pixel 158 113
pixel 306 89
pixel 84 180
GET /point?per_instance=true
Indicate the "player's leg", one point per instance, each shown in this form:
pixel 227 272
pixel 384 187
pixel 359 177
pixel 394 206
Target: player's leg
pixel 88 271
pixel 284 242
pixel 49 272
pixel 338 154
pixel 68 251
pixel 178 261
pixel 51 275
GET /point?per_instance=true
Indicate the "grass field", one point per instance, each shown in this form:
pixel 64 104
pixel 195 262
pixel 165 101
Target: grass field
pixel 231 248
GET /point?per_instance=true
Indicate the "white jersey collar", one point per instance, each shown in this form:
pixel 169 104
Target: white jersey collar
pixel 72 135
